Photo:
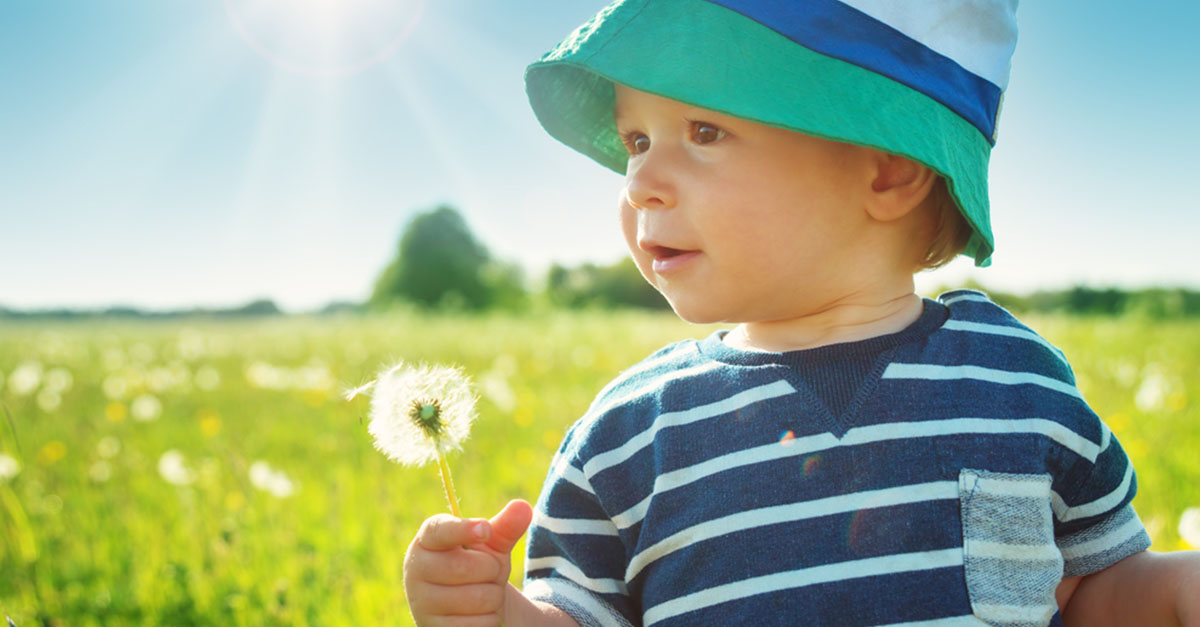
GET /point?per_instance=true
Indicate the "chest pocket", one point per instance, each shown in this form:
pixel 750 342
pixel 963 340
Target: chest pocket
pixel 1012 563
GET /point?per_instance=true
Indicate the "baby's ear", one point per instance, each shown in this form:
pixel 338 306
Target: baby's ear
pixel 899 186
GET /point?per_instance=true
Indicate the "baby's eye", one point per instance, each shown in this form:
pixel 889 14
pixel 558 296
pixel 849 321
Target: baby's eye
pixel 635 142
pixel 705 133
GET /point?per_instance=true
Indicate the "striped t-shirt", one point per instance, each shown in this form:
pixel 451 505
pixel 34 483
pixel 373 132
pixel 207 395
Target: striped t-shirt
pixel 711 486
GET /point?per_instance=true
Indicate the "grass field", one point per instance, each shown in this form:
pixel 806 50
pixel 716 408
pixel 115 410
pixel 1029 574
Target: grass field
pixel 192 472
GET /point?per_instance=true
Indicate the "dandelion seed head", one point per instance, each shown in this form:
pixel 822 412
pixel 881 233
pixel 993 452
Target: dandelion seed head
pixel 1189 526
pixel 173 468
pixel 108 447
pixel 418 411
pixel 146 408
pixel 100 471
pixel 271 480
pixel 9 467
pixel 353 393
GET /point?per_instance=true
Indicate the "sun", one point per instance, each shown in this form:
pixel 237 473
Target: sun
pixel 324 37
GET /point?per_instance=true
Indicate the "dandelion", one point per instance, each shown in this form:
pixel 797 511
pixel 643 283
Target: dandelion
pixel 100 471
pixel 25 379
pixel 48 400
pixel 9 467
pixel 271 480
pixel 115 387
pixel 1152 393
pixel 108 447
pixel 173 468
pixel 418 414
pixel 1189 526
pixel 146 408
pixel 59 380
pixel 207 378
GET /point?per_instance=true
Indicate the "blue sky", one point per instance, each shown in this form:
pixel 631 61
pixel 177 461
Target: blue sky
pixel 151 155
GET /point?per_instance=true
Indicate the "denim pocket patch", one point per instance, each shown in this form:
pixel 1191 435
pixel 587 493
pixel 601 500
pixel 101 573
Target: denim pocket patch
pixel 1012 563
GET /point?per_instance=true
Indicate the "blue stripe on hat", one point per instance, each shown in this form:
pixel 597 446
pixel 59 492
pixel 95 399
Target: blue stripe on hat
pixel 843 32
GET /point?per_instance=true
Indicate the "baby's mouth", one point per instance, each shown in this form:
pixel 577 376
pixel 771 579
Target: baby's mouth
pixel 669 260
pixel 666 252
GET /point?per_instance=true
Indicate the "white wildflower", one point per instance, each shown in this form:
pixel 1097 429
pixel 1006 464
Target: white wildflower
pixel 9 467
pixel 59 380
pixel 108 446
pixel 100 471
pixel 271 480
pixel 146 408
pixel 173 468
pixel 1189 526
pixel 1152 393
pixel 25 379
pixel 48 400
pixel 497 390
pixel 207 378
pixel 420 412
pixel 115 387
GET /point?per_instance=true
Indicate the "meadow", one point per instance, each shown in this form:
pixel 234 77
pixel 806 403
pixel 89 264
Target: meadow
pixel 193 472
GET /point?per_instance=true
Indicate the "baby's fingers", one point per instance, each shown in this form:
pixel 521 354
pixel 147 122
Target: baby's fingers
pixel 443 532
pixel 452 567
pixel 481 599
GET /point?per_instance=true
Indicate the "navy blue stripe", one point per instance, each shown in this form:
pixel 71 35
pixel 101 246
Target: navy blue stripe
pixel 843 32
pixel 903 597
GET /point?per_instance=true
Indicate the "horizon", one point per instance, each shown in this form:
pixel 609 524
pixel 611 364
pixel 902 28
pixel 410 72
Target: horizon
pixel 208 155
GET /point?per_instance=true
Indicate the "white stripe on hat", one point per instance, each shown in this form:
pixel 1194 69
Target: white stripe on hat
pixel 979 35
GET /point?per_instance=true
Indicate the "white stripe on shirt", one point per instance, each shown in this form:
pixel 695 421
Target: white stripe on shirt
pixel 979 373
pixel 1108 541
pixel 608 459
pixel 575 526
pixel 650 387
pixel 547 588
pixel 999 329
pixel 975 298
pixel 1066 513
pixel 761 517
pixel 826 573
pixel 569 570
pixel 859 435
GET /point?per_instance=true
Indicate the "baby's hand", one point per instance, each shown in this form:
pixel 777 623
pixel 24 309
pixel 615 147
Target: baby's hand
pixel 456 570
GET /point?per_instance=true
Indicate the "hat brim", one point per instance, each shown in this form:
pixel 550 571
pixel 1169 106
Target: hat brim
pixel 703 54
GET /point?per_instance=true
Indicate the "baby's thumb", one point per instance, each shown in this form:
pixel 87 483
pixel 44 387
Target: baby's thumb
pixel 509 525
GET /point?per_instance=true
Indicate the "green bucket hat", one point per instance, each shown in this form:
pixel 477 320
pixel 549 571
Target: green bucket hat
pixel 899 78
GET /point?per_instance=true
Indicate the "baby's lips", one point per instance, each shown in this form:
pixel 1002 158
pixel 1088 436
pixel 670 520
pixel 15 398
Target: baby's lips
pixel 659 251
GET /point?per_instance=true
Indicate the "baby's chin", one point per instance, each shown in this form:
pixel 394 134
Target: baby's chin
pixel 696 313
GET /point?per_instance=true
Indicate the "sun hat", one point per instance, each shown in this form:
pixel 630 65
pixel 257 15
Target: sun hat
pixel 924 80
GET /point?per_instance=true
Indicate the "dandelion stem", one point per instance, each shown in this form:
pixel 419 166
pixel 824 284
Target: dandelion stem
pixel 448 484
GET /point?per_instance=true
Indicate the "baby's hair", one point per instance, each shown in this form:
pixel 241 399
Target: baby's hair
pixel 950 230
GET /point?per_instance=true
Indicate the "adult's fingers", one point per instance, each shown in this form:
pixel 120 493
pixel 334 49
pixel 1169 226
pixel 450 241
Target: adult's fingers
pixel 453 567
pixel 443 532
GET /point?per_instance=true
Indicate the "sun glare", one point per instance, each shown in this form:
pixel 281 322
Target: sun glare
pixel 324 37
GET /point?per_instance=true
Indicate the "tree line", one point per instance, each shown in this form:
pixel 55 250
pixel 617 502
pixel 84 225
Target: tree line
pixel 439 264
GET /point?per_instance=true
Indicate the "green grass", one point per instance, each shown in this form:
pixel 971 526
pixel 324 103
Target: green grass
pixel 92 535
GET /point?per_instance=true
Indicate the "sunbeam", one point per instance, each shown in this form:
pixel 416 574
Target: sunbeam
pixel 324 37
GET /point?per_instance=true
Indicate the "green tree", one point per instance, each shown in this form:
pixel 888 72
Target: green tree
pixel 589 285
pixel 440 263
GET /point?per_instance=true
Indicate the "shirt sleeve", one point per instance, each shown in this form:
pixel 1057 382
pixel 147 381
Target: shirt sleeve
pixel 575 559
pixel 1095 524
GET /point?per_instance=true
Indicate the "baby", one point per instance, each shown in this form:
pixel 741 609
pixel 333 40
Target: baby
pixel 848 453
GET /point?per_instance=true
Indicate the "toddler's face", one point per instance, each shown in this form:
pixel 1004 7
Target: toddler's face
pixel 735 221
